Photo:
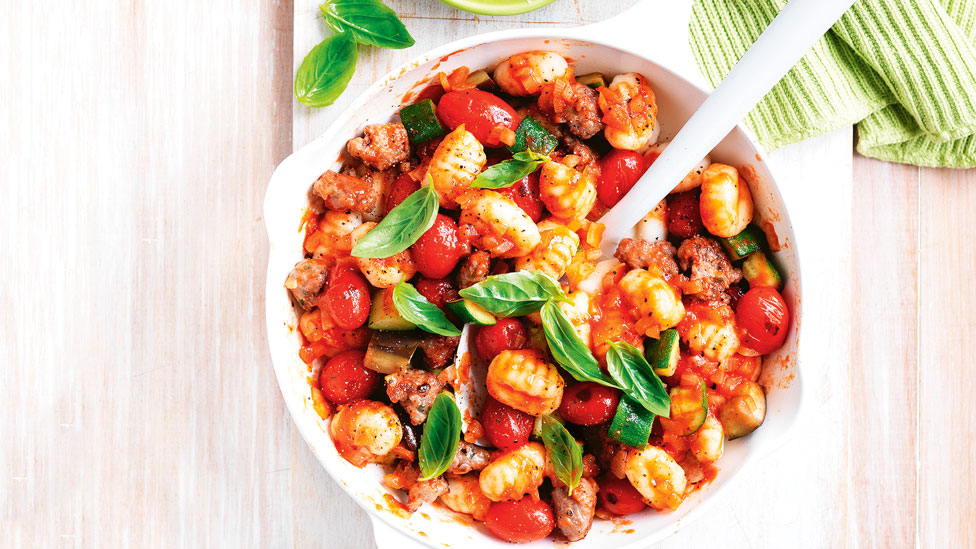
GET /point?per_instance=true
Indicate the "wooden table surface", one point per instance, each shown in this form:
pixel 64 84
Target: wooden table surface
pixel 140 404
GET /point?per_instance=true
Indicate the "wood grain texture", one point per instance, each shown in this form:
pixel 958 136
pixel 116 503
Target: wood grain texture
pixel 140 405
pixel 136 141
pixel 947 341
pixel 885 369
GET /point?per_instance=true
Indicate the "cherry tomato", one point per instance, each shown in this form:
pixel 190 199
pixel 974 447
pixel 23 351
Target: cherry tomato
pixel 438 250
pixel 437 290
pixel 347 297
pixel 619 170
pixel 402 187
pixel 505 427
pixel 344 379
pixel 505 335
pixel 763 315
pixel 522 521
pixel 589 403
pixel 735 294
pixel 684 215
pixel 619 496
pixel 525 193
pixel 479 111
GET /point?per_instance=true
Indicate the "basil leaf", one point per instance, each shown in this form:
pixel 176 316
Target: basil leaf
pixel 326 70
pixel 442 433
pixel 514 294
pixel 532 136
pixel 630 370
pixel 370 22
pixel 507 173
pixel 564 452
pixel 401 227
pixel 568 349
pixel 416 309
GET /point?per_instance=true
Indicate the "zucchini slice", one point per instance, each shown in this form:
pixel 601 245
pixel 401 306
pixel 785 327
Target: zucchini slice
pixel 390 352
pixel 632 423
pixel 384 316
pixel 593 80
pixel 749 241
pixel 480 79
pixel 531 135
pixel 663 353
pixel 470 313
pixel 759 271
pixel 421 122
pixel 689 408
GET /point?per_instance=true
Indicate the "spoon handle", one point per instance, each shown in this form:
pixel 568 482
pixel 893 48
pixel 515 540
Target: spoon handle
pixel 792 33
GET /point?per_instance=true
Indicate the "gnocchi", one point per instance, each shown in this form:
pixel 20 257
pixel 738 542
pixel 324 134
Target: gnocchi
pixel 553 254
pixel 657 476
pixel 708 442
pixel 526 73
pixel 503 228
pixel 456 163
pixel 694 178
pixel 726 201
pixel 712 333
pixel 745 411
pixel 464 495
pixel 331 238
pixel 365 431
pixel 629 111
pixel 514 473
pixel 524 380
pixel 383 272
pixel 567 193
pixel 657 304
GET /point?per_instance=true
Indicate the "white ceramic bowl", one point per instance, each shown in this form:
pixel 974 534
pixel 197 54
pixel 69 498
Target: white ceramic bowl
pixel 602 48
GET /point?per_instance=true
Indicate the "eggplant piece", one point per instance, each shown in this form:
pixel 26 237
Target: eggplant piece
pixel 411 432
pixel 390 352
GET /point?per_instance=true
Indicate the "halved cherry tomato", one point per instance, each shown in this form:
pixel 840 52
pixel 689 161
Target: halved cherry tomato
pixel 344 379
pixel 763 316
pixel 684 214
pixel 505 427
pixel 589 403
pixel 438 250
pixel 402 187
pixel 437 290
pixel 479 111
pixel 347 297
pixel 525 193
pixel 505 335
pixel 618 496
pixel 619 170
pixel 522 521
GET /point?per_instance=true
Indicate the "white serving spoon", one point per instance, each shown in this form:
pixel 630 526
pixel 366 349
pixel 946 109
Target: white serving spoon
pixel 792 33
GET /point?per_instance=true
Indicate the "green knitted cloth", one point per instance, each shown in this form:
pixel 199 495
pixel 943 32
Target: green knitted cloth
pixel 904 71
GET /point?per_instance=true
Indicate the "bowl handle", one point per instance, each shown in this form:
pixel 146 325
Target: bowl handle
pixel 388 537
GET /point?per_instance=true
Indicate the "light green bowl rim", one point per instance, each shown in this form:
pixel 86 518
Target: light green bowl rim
pixel 498 7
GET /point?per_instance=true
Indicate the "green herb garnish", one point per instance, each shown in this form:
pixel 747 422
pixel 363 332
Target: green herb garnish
pixel 370 22
pixel 326 71
pixel 630 370
pixel 416 309
pixel 568 349
pixel 564 452
pixel 442 434
pixel 507 173
pixel 402 226
pixel 514 294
